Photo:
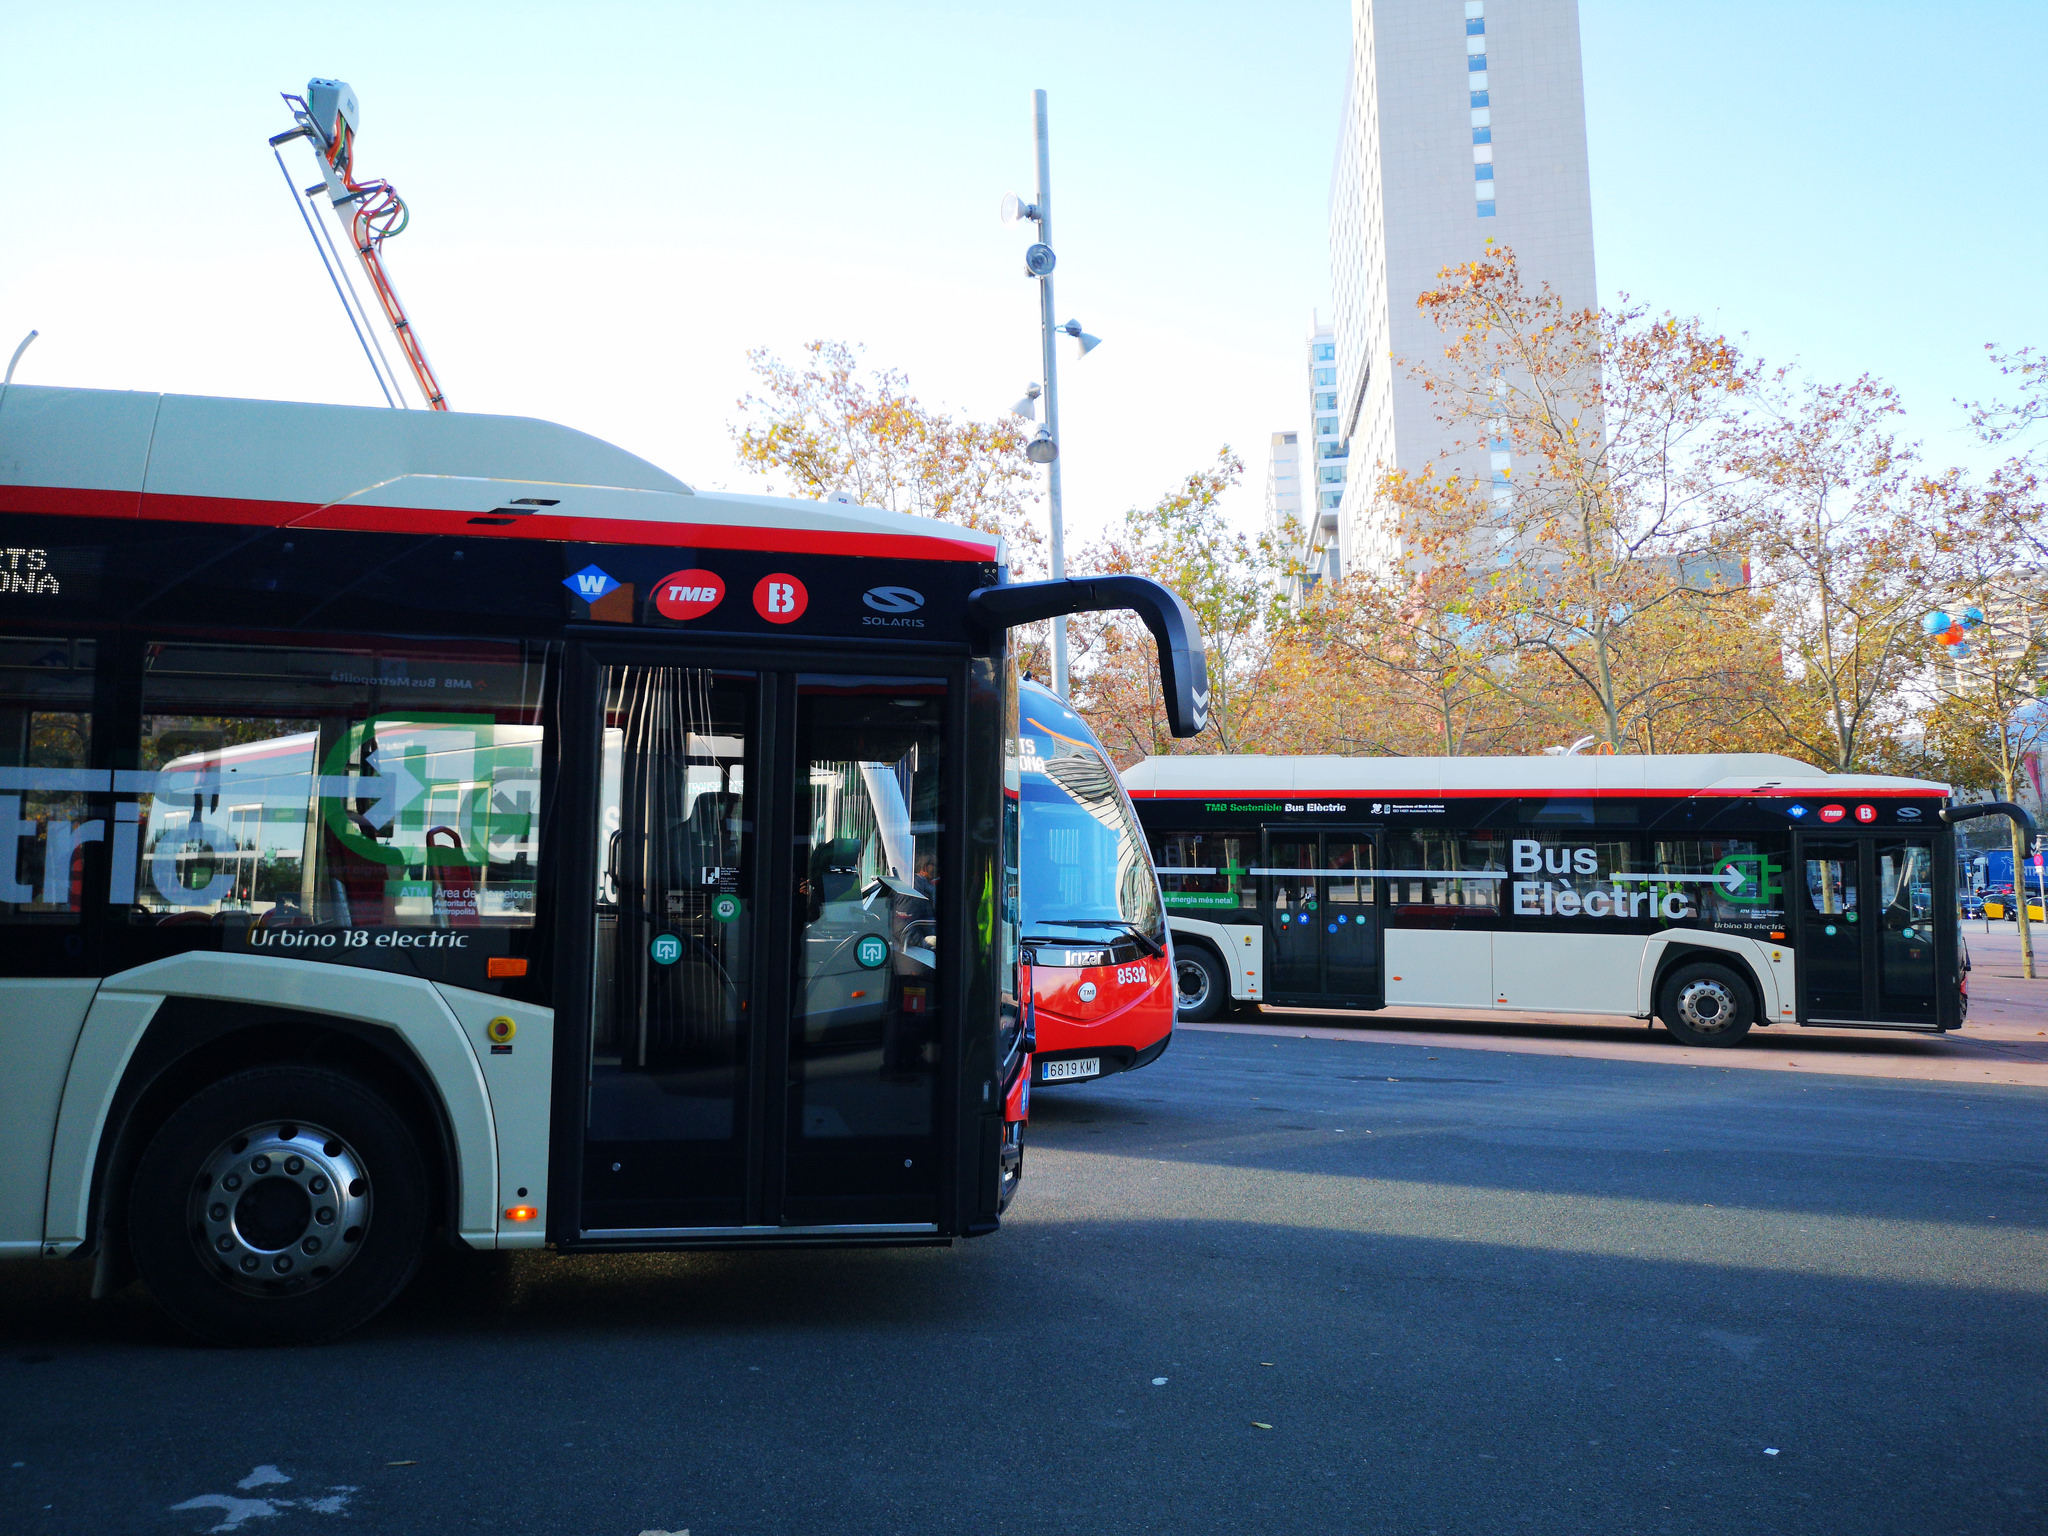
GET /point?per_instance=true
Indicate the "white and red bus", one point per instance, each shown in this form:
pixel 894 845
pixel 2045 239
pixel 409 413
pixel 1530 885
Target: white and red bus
pixel 417 823
pixel 1093 922
pixel 1715 893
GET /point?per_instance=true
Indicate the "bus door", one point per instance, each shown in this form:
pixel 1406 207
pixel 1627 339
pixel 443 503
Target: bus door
pixel 1869 948
pixel 1322 920
pixel 764 941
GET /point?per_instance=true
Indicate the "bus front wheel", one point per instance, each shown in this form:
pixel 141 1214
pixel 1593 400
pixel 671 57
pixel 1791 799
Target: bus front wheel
pixel 283 1205
pixel 1706 1004
pixel 1201 990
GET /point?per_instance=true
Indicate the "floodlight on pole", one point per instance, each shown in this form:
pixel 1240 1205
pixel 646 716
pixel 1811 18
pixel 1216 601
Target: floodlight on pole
pixel 1042 449
pixel 1084 342
pixel 1028 406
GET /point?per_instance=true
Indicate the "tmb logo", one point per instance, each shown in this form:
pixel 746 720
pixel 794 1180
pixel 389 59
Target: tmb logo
pixel 780 598
pixel 893 599
pixel 688 594
pixel 1832 813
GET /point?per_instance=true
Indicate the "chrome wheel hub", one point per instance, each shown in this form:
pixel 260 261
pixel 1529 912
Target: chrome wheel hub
pixel 280 1207
pixel 1706 1006
pixel 1192 983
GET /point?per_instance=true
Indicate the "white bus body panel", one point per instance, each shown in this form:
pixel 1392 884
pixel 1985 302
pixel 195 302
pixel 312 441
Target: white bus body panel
pixel 1438 967
pixel 39 1025
pixel 1567 972
pixel 448 1041
pixel 521 1083
pixel 1242 950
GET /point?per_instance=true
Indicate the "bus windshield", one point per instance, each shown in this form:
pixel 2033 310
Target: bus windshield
pixel 1084 861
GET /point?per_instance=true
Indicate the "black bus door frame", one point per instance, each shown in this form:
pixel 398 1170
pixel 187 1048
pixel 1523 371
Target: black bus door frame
pixel 1809 929
pixel 577 729
pixel 1323 994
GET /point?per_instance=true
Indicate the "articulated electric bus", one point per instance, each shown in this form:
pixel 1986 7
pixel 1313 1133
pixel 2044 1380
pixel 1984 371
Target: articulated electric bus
pixel 1093 923
pixel 1715 893
pixel 419 823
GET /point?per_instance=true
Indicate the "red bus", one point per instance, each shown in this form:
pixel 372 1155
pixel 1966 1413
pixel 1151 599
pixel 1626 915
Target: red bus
pixel 1094 924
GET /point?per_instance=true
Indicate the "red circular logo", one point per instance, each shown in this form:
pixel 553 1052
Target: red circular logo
pixel 688 594
pixel 1866 813
pixel 1832 813
pixel 780 598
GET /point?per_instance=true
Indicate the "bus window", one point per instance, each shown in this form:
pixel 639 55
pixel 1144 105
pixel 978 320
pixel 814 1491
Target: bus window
pixel 1831 886
pixel 1738 883
pixel 868 873
pixel 1905 881
pixel 46 820
pixel 1205 870
pixel 1444 901
pixel 383 787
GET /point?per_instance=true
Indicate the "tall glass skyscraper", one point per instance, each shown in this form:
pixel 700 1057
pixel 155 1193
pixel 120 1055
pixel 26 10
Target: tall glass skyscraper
pixel 1464 121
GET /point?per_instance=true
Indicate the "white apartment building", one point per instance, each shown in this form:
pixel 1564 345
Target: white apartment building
pixel 1306 469
pixel 1283 486
pixel 1464 122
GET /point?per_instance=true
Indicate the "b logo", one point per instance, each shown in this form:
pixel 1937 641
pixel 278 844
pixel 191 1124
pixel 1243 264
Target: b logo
pixel 780 598
pixel 1866 813
pixel 688 594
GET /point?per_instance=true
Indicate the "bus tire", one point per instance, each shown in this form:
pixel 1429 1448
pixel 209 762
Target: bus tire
pixel 1706 1004
pixel 283 1205
pixel 1200 989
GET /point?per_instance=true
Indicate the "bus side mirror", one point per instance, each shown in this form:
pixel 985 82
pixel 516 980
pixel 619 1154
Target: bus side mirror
pixel 2019 813
pixel 1183 666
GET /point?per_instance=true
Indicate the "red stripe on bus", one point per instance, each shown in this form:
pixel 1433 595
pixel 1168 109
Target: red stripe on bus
pixel 244 512
pixel 1836 792
pixel 62 501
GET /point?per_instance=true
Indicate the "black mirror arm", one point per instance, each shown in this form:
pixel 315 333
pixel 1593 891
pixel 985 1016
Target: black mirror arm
pixel 1183 666
pixel 2019 813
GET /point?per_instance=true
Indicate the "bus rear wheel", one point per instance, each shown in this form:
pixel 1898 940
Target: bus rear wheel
pixel 283 1205
pixel 1200 989
pixel 1706 1004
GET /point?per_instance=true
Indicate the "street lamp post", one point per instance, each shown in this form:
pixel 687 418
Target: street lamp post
pixel 1044 447
pixel 1043 211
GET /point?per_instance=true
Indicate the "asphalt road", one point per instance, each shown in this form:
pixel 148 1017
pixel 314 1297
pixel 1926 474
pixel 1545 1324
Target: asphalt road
pixel 1271 1284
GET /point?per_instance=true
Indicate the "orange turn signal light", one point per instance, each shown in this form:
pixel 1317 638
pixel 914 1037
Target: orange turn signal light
pixel 501 965
pixel 520 1213
pixel 1779 936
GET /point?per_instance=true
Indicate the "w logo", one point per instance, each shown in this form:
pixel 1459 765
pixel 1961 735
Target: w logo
pixel 780 598
pixel 590 584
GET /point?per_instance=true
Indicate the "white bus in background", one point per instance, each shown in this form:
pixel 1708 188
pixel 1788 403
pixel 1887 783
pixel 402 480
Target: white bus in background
pixel 1713 892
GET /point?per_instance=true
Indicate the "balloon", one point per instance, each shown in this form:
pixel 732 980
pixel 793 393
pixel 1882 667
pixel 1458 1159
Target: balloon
pixel 1960 649
pixel 1951 635
pixel 1936 622
pixel 1972 617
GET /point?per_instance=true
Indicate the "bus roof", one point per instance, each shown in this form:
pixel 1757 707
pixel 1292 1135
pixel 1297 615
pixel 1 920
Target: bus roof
pixel 1717 773
pixel 197 458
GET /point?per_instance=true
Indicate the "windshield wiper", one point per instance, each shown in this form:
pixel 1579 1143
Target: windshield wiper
pixel 1151 945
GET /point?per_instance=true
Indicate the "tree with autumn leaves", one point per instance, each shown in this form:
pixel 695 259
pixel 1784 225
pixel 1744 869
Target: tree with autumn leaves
pixel 1638 535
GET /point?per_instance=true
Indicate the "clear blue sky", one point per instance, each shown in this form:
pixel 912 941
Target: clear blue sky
pixel 613 202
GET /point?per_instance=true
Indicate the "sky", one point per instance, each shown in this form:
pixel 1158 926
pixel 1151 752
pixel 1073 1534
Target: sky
pixel 613 203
